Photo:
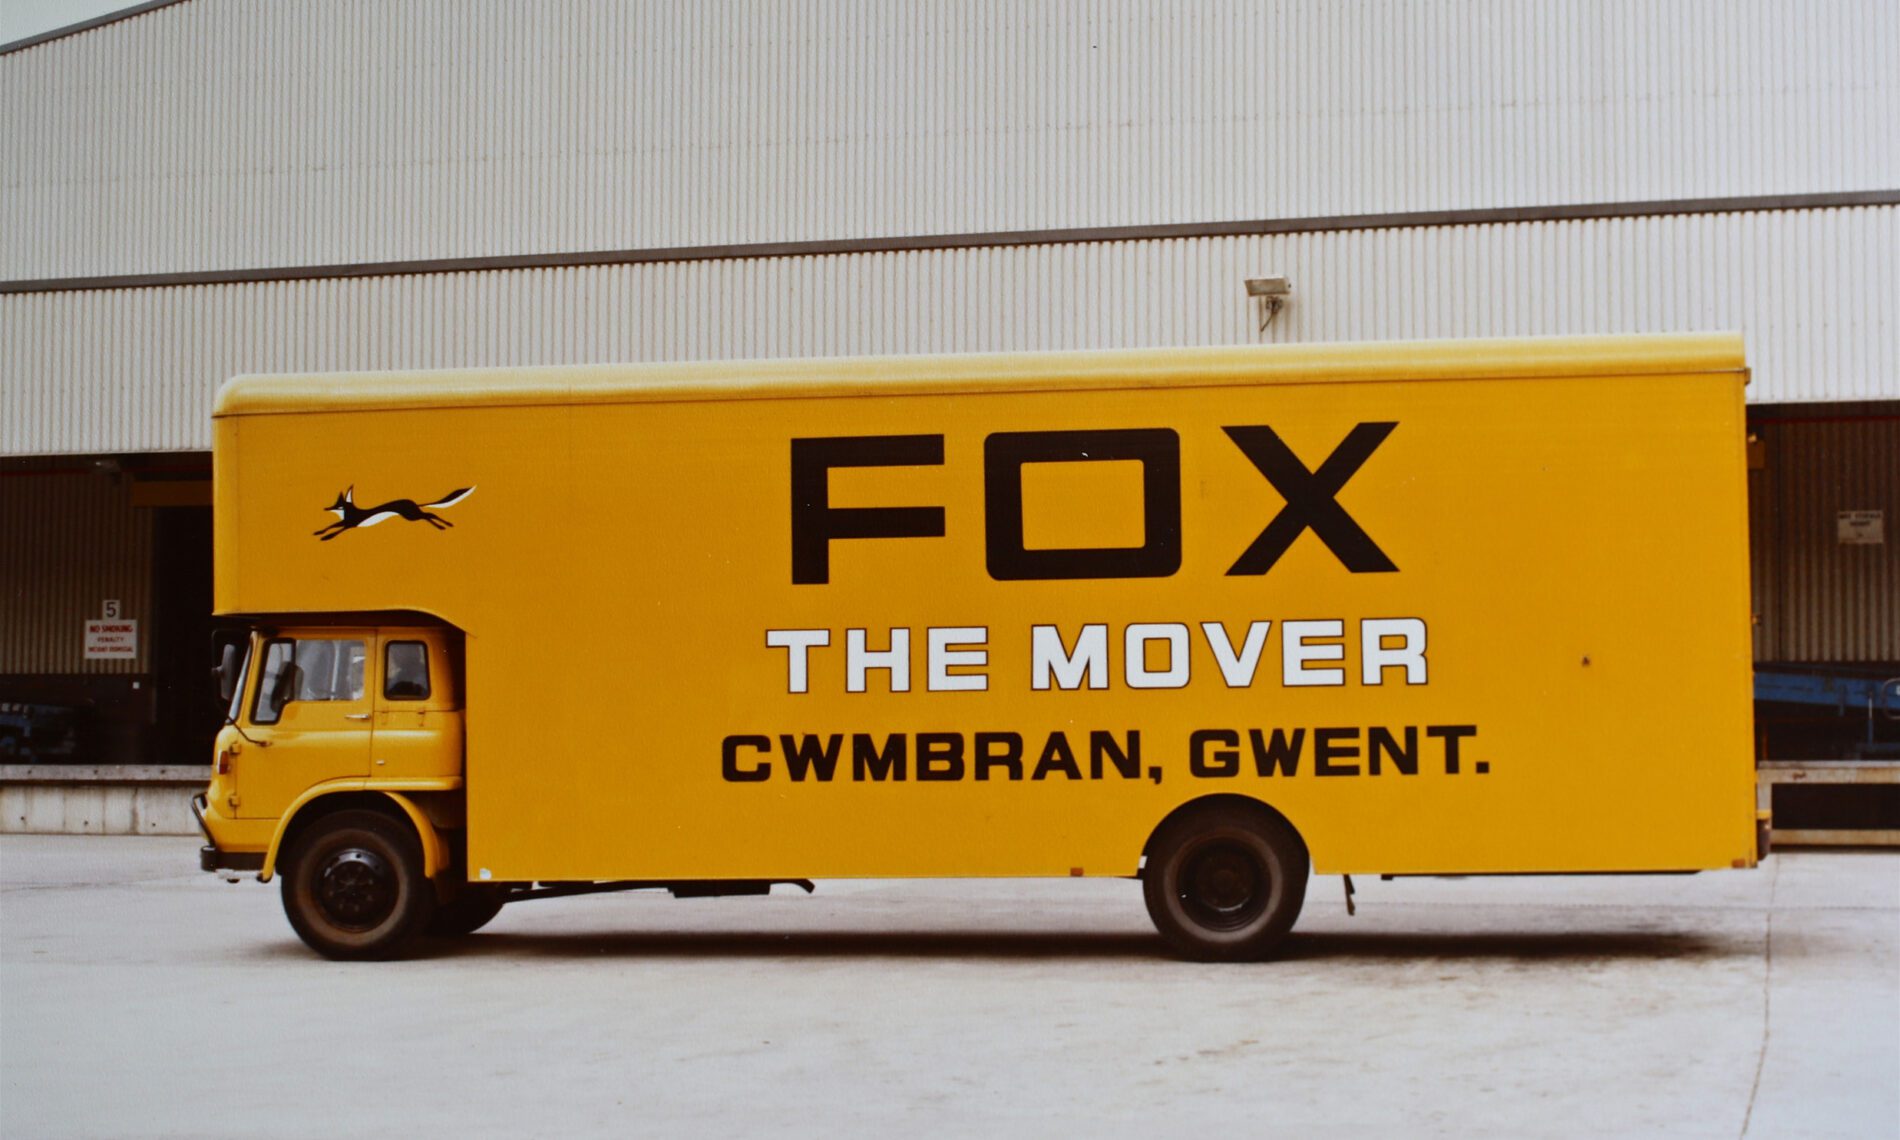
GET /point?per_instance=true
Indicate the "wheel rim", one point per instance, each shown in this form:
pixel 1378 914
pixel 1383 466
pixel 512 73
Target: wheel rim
pixel 1224 885
pixel 356 889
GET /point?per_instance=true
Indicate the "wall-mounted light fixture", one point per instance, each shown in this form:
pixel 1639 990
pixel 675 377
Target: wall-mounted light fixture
pixel 1272 293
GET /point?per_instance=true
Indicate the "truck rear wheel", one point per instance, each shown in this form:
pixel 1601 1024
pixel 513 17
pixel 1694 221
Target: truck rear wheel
pixel 1225 882
pixel 474 906
pixel 353 886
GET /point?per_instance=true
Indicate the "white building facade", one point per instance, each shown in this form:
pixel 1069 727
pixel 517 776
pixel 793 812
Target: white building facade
pixel 206 187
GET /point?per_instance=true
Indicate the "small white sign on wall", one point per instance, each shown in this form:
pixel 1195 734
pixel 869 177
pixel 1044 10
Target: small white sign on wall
pixel 1861 528
pixel 110 638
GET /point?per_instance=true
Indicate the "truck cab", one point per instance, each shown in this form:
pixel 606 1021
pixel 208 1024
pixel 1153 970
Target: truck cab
pixel 350 728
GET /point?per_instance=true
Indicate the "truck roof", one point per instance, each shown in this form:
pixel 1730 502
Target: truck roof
pixel 832 377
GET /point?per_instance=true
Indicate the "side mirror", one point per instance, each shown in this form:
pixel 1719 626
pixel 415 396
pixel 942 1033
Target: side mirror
pixel 227 674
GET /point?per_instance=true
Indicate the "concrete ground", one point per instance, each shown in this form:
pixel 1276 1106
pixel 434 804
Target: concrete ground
pixel 139 997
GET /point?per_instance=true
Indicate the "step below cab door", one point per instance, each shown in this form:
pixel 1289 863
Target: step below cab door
pixel 312 704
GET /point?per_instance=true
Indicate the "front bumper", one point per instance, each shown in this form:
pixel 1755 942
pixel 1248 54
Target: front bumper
pixel 210 857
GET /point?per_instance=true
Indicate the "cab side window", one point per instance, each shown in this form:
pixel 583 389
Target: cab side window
pixel 308 670
pixel 330 670
pixel 406 671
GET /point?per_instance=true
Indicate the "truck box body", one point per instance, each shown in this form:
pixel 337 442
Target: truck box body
pixel 1505 585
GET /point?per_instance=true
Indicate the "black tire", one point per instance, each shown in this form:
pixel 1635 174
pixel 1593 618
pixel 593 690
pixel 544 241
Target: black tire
pixel 353 886
pixel 474 906
pixel 1224 883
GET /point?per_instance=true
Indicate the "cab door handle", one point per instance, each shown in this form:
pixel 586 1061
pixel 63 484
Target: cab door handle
pixel 355 716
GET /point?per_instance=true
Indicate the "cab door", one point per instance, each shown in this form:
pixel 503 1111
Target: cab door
pixel 311 706
pixel 418 711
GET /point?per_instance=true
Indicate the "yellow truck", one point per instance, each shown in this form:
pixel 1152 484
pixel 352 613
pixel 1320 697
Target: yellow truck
pixel 1212 619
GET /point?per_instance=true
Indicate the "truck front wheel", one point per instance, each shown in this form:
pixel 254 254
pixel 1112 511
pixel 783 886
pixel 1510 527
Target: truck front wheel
pixel 353 886
pixel 1225 882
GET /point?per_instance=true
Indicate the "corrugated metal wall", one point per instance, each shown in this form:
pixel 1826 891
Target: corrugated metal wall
pixel 1813 292
pixel 229 134
pixel 67 543
pixel 1819 600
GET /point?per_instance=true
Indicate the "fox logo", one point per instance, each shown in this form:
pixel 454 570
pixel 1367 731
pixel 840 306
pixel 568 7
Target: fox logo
pixel 349 516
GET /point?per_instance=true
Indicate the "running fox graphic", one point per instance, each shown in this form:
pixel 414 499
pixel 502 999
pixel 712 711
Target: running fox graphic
pixel 350 516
